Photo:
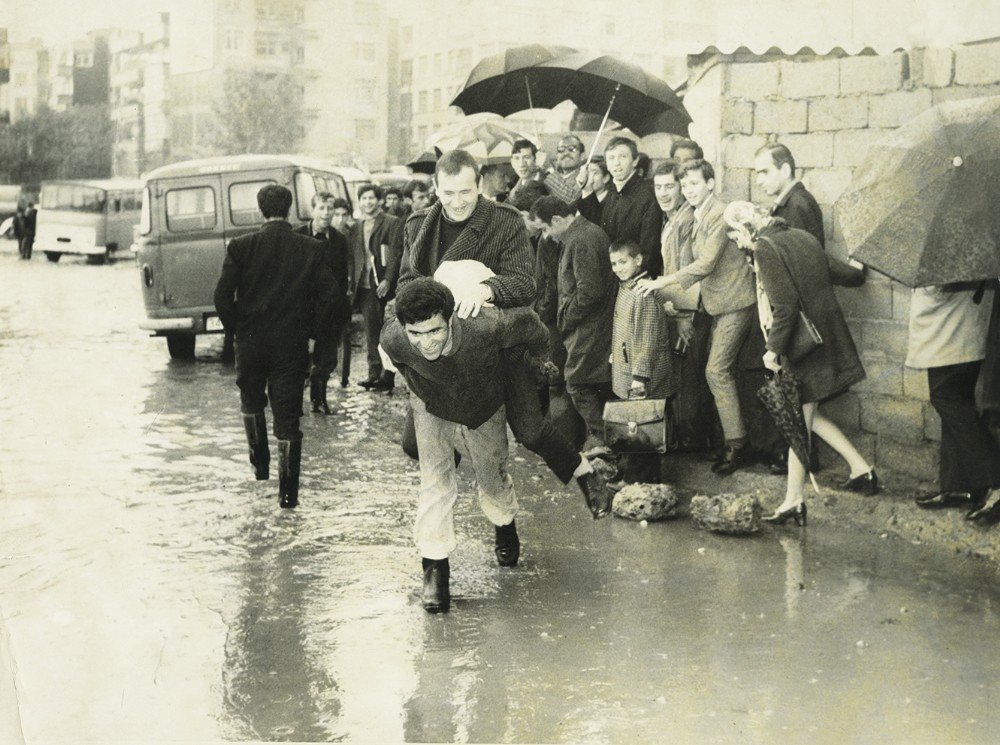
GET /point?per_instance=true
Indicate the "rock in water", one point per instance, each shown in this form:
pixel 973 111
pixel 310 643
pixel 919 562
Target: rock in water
pixel 736 514
pixel 645 502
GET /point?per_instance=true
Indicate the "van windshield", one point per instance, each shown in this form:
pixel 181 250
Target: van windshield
pixel 73 197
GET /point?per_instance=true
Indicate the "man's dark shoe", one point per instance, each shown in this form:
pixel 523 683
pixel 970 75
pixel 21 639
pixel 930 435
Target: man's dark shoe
pixel 988 512
pixel 386 382
pixel 946 499
pixel 436 595
pixel 596 493
pixel 866 483
pixel 508 545
pixel 289 458
pixel 777 462
pixel 317 396
pixel 255 426
pixel 733 459
pixel 368 382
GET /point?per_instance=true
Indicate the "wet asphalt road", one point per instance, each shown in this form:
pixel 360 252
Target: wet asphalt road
pixel 152 590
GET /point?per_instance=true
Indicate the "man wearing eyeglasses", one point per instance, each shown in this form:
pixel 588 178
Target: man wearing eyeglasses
pixel 561 179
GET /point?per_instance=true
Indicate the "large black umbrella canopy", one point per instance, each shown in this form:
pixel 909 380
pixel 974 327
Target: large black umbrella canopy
pixel 604 84
pixel 924 207
pixel 499 83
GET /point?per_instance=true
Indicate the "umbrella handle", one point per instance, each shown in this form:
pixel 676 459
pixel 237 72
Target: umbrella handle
pixel 604 122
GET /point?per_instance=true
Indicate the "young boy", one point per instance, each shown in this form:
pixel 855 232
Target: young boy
pixel 641 365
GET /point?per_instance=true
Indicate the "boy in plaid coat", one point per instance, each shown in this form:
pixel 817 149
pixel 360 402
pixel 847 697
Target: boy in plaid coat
pixel 641 365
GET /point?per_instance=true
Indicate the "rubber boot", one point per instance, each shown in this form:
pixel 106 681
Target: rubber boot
pixel 317 396
pixel 255 425
pixel 436 596
pixel 508 545
pixel 289 458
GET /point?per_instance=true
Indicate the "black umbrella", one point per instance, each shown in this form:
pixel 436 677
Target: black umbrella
pixel 780 396
pixel 501 84
pixel 923 207
pixel 426 162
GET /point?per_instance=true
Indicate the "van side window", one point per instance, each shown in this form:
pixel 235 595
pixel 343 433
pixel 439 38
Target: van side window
pixel 243 209
pixel 190 209
pixel 305 189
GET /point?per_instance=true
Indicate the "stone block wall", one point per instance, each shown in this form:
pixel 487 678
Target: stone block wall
pixel 829 111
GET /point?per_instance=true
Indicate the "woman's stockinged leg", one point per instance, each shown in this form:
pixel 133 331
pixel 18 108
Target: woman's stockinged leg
pixel 795 486
pixel 830 434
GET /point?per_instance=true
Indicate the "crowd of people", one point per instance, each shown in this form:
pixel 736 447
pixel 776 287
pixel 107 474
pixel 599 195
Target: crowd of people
pixel 536 301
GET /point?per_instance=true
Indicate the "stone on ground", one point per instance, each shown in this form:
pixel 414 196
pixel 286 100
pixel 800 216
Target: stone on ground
pixel 645 502
pixel 735 514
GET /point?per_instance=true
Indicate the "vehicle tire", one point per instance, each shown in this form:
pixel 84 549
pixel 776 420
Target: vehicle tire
pixel 53 256
pixel 98 259
pixel 181 346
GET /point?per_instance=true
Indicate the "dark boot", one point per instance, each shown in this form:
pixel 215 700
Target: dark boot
pixel 255 426
pixel 317 396
pixel 508 545
pixel 386 382
pixel 733 459
pixel 596 493
pixel 289 458
pixel 436 595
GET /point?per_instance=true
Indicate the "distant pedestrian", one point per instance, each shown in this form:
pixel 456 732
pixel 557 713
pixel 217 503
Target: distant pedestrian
pixel 28 231
pixel 341 261
pixel 275 290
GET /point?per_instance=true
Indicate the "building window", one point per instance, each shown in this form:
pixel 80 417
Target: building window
pixel 364 51
pixel 299 14
pixel 299 55
pixel 405 72
pixel 421 66
pixel 364 129
pixel 422 102
pixel 436 102
pixel 464 61
pixel 609 27
pixel 366 12
pixel 83 59
pixel 233 40
pixel 266 45
pixel 407 34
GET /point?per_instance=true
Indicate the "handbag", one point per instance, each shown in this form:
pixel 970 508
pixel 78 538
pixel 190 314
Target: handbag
pixel 636 426
pixel 805 336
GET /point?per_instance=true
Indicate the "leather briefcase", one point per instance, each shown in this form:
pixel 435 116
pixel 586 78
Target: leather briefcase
pixel 636 426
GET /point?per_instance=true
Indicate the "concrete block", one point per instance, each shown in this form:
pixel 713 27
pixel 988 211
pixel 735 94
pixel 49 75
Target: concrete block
pixel 865 442
pixel 885 375
pixel 851 146
pixel 737 117
pixel 932 424
pixel 780 116
pixel 873 74
pixel 814 150
pixel 738 150
pixel 873 300
pixel 810 79
pixel 915 384
pixel 842 112
pixel 755 80
pixel 963 92
pixel 826 184
pixel 933 67
pixel 736 184
pixel 894 109
pixel 977 64
pixel 917 459
pixel 886 336
pixel 902 418
pixel 844 411
pixel 901 297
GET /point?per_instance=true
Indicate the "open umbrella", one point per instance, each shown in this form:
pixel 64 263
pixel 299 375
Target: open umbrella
pixel 501 84
pixel 923 207
pixel 780 396
pixel 424 163
pixel 485 136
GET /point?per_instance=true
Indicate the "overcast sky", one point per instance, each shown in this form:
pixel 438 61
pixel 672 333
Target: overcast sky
pixel 760 23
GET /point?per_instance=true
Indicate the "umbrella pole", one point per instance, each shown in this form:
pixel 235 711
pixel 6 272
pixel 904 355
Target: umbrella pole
pixel 534 122
pixel 604 122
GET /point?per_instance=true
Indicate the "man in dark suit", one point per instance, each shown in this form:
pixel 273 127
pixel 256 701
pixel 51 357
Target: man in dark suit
pixel 630 211
pixel 341 261
pixel 275 289
pixel 376 243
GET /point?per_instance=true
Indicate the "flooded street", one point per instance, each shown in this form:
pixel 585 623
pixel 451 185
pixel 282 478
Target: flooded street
pixel 152 590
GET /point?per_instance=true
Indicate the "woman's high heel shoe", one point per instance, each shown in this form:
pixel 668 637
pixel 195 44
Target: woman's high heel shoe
pixel 798 513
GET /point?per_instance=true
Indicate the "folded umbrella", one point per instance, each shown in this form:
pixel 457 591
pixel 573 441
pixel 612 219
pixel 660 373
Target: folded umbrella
pixel 922 208
pixel 780 396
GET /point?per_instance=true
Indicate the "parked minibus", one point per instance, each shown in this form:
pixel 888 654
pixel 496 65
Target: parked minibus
pixel 190 211
pixel 89 217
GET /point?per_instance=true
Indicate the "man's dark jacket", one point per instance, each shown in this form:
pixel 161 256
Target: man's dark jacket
pixel 335 251
pixel 631 215
pixel 276 288
pixel 387 231
pixel 494 235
